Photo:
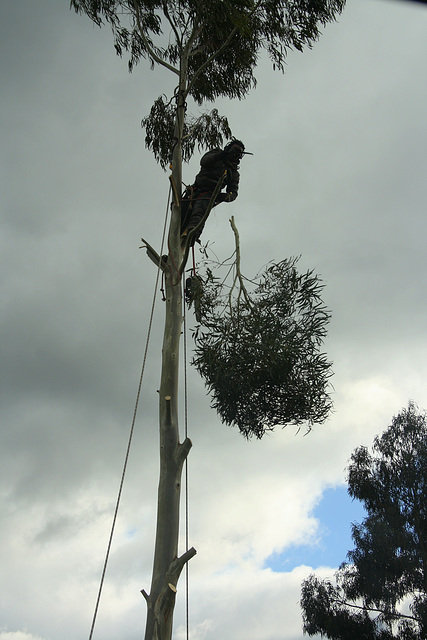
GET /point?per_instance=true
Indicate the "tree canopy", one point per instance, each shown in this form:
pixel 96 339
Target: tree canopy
pixel 381 593
pixel 211 47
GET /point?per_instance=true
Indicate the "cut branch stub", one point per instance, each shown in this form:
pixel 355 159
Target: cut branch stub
pixel 164 604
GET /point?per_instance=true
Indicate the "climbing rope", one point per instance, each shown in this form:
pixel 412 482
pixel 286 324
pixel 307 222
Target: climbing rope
pixel 150 323
pixel 187 624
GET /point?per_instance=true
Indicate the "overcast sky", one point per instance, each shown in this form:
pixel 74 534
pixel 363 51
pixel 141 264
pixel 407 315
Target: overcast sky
pixel 338 176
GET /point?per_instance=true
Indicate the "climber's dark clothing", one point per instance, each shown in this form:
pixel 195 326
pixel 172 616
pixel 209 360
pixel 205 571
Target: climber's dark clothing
pixel 212 167
pixel 195 208
pixel 196 199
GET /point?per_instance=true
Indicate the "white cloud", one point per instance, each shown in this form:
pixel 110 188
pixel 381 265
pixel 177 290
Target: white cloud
pixel 18 635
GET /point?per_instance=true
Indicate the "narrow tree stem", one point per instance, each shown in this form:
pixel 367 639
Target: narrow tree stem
pixel 149 48
pixel 167 566
pixel 396 615
pixel 238 275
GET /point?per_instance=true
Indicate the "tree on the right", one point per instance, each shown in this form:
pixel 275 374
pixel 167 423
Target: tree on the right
pixel 381 592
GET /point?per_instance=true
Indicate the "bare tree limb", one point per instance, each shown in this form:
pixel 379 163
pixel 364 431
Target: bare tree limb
pixel 183 450
pixel 238 275
pixel 153 255
pixel 172 23
pixel 396 615
pixel 149 48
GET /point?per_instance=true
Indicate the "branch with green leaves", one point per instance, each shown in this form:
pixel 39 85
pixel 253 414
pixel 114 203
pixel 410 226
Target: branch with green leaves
pixel 258 346
pixel 218 43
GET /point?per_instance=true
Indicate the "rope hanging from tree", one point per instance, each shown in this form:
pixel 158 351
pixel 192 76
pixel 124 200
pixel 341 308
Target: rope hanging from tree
pixel 187 546
pixel 150 323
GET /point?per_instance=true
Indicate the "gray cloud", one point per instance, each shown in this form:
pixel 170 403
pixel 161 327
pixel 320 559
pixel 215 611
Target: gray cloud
pixel 337 176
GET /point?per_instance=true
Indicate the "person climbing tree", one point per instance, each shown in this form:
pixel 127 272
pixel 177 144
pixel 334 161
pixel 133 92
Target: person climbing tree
pixel 216 165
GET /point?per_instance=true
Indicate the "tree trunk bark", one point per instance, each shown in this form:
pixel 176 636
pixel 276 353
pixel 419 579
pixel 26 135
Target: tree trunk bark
pixel 167 565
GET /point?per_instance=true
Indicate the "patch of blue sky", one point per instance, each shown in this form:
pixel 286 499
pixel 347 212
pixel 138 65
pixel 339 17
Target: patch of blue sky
pixel 335 512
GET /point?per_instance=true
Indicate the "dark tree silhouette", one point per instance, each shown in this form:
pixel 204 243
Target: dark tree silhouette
pixel 381 593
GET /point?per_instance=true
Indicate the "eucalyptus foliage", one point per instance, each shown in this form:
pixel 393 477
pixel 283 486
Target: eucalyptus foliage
pixel 208 130
pixel 381 594
pixel 259 350
pixel 211 46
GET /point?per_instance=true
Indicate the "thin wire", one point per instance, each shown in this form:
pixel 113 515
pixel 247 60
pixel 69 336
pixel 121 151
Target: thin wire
pixel 132 428
pixel 186 471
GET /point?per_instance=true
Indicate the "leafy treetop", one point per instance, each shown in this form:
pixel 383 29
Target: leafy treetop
pixel 212 47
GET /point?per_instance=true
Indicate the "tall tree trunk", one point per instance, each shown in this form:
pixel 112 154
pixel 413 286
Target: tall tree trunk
pixel 167 566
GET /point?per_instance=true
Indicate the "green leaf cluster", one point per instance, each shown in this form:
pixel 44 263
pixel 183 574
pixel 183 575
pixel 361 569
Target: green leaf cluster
pixel 213 47
pixel 382 592
pixel 259 351
pixel 207 131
